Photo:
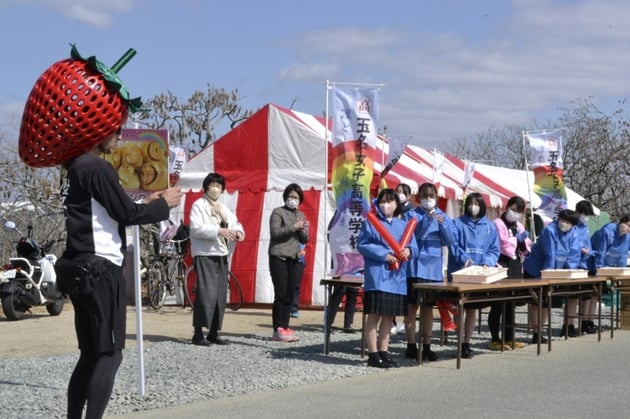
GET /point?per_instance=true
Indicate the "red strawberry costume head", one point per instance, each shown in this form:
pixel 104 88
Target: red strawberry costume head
pixel 74 105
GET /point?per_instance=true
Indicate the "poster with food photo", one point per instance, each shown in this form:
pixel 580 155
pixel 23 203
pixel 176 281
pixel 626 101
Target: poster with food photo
pixel 141 161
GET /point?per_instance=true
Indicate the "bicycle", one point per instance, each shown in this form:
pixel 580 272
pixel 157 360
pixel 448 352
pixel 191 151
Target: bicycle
pixel 235 292
pixel 166 272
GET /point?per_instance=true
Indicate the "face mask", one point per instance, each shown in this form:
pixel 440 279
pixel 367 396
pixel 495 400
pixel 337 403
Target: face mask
pixel 387 208
pixel 428 203
pixel 214 192
pixel 583 219
pixel 623 229
pixel 292 203
pixel 564 226
pixel 473 210
pixel 402 197
pixel 512 216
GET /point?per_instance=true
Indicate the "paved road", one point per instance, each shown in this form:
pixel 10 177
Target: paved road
pixel 580 378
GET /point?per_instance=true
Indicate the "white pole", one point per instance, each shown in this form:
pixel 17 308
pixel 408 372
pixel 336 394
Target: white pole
pixel 532 223
pixel 138 300
pixel 327 221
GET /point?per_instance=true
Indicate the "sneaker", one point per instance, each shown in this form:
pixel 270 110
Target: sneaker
pixel 292 335
pixel 199 340
pixel 467 353
pixel 350 329
pixel 535 338
pixel 281 335
pixel 295 314
pixel 516 344
pixel 495 345
pixel 589 327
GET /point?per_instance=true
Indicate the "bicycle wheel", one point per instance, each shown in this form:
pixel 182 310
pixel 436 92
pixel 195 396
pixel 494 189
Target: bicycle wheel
pixel 191 285
pixel 235 292
pixel 182 287
pixel 156 284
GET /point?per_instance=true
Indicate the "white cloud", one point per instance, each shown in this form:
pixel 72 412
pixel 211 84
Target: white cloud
pixel 96 13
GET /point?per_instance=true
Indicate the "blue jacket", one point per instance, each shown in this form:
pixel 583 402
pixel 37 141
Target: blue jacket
pixel 610 248
pixel 553 250
pixel 377 274
pixel 430 237
pixel 474 240
pixel 584 237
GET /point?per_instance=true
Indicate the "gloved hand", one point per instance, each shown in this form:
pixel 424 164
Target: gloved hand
pixel 522 235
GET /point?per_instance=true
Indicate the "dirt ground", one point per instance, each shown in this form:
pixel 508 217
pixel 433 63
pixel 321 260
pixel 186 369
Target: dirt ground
pixel 38 333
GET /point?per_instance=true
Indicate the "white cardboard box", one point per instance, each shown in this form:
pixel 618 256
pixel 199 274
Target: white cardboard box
pixel 612 271
pixel 479 275
pixel 563 273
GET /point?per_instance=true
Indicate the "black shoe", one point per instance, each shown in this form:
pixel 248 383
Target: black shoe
pixel 389 360
pixel 428 355
pixel 200 341
pixel 535 339
pixel 411 353
pixel 571 333
pixel 589 327
pixel 467 353
pixel 217 340
pixel 378 363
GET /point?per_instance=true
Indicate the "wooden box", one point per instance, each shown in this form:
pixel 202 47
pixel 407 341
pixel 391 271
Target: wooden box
pixel 563 273
pixel 479 275
pixel 610 271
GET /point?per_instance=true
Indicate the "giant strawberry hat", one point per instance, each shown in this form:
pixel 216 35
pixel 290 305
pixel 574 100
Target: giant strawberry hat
pixel 73 106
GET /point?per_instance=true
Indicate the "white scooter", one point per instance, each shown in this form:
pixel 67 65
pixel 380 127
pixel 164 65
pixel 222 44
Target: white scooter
pixel 30 280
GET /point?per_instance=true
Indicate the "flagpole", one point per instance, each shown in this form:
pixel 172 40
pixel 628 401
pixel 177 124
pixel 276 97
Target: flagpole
pixel 532 224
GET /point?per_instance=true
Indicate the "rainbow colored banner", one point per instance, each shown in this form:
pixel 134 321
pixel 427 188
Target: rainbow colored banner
pixel 354 113
pixel 546 161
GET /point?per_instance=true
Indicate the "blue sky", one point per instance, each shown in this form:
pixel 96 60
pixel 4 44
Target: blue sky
pixel 450 68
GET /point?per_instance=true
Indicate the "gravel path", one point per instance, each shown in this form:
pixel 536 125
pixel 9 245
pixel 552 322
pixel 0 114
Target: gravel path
pixel 178 372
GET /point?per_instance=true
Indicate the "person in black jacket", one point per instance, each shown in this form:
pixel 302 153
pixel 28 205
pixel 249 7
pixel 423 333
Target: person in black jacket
pixel 97 210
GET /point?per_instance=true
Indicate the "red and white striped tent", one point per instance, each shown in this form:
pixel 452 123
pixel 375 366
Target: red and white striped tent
pixel 259 158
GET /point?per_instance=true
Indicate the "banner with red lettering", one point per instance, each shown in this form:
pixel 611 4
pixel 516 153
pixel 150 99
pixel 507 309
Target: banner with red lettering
pixel 354 114
pixel 545 158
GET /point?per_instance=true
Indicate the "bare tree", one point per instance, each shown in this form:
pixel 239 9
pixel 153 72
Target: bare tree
pixel 595 155
pixel 192 123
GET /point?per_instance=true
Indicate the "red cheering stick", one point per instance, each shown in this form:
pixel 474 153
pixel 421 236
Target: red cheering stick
pixel 74 105
pixel 408 234
pixel 396 247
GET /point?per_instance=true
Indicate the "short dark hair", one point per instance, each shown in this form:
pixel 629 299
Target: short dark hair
pixel 584 207
pixel 625 218
pixel 518 201
pixel 568 215
pixel 405 188
pixel 293 187
pixel 214 177
pixel 388 195
pixel 477 199
pixel 425 187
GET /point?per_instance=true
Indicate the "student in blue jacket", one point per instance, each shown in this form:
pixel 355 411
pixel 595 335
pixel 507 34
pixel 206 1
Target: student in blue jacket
pixel 385 278
pixel 475 242
pixel 611 243
pixel 558 247
pixel 434 230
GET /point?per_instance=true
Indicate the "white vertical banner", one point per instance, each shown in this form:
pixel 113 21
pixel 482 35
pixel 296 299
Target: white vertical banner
pixel 469 171
pixel 354 114
pixel 438 167
pixel 397 147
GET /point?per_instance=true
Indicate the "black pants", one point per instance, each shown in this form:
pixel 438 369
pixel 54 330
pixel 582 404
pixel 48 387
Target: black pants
pixel 335 299
pixel 284 274
pixel 100 321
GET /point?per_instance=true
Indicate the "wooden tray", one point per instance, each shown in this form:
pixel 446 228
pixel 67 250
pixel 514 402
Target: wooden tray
pixel 563 273
pixel 479 275
pixel 612 271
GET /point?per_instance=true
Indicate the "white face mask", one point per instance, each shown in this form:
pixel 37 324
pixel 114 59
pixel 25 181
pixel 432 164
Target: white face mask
pixel 473 210
pixel 428 203
pixel 564 226
pixel 214 192
pixel 402 197
pixel 584 219
pixel 292 203
pixel 512 216
pixel 387 208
